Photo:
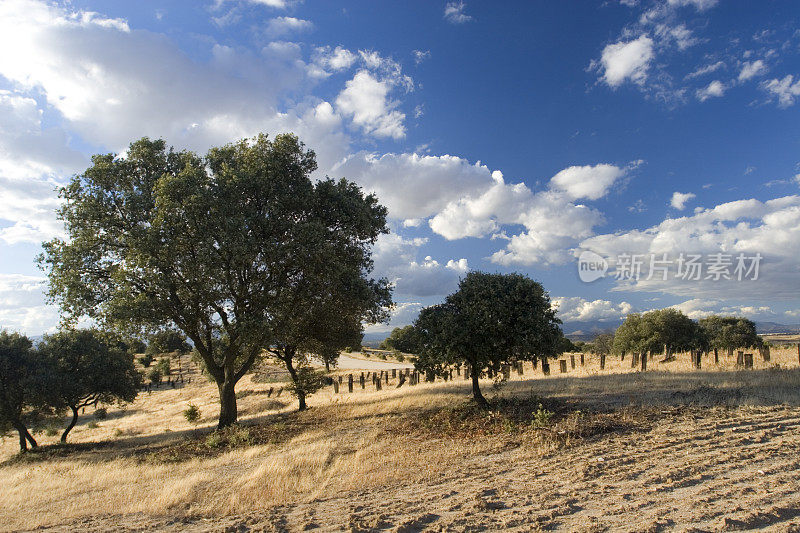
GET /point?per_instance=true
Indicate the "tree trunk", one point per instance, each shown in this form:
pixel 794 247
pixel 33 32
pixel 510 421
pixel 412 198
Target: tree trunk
pixel 23 442
pixel 476 388
pixel 24 437
pixel 301 394
pixel 327 365
pixel 227 403
pixel 71 423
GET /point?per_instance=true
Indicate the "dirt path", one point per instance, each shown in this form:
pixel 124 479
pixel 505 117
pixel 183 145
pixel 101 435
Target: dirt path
pixel 694 470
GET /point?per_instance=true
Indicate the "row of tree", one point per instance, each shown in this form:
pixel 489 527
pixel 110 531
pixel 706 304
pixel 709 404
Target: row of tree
pixel 669 331
pixel 495 320
pixel 67 371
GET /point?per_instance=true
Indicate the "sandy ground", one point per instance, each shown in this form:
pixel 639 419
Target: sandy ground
pixel 694 471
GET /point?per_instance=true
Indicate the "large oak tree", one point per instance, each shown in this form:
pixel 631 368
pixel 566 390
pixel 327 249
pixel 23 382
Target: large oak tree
pixel 214 246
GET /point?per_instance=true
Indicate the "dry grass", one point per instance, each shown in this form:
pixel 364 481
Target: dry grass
pixel 147 459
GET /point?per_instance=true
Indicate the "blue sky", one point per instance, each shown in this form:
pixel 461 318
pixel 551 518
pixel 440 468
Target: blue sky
pixel 502 137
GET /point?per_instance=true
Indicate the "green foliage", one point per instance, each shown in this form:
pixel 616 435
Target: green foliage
pixel 136 346
pixel 541 417
pixel 654 330
pixel 306 382
pixel 92 425
pixel 405 339
pixel 603 344
pixel 566 345
pixel 146 360
pixel 239 246
pixel 192 414
pixel 730 332
pixel 230 437
pixel 165 366
pixel 84 367
pixel 20 384
pixel 168 341
pixel 154 375
pixel 493 319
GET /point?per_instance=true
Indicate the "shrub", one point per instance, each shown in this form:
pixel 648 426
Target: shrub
pixel 192 414
pixel 541 417
pixel 214 440
pixel 164 365
pixel 154 375
pixel 92 425
pixel 100 414
pixel 231 437
pixel 400 357
pixel 146 360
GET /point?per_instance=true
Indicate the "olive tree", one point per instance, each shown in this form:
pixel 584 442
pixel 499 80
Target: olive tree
pixel 491 320
pixel 83 368
pixel 208 245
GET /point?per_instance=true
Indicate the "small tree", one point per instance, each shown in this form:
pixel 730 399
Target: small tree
pixel 306 382
pixel 155 375
pixel 491 320
pixel 18 384
pixel 192 414
pixel 165 366
pixel 85 368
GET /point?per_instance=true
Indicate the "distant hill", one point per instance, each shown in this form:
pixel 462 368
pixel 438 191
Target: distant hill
pixel 774 327
pixel 374 339
pixel 584 331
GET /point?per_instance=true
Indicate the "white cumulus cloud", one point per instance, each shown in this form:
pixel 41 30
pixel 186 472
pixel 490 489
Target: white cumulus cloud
pixel 785 89
pixel 751 69
pixel 715 89
pixel 627 60
pixel 679 199
pixel 577 309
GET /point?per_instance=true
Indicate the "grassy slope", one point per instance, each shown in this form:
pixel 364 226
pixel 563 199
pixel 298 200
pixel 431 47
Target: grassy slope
pixel 392 448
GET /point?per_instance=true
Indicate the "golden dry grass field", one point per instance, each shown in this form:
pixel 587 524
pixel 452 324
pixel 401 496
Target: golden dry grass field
pixel 673 448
